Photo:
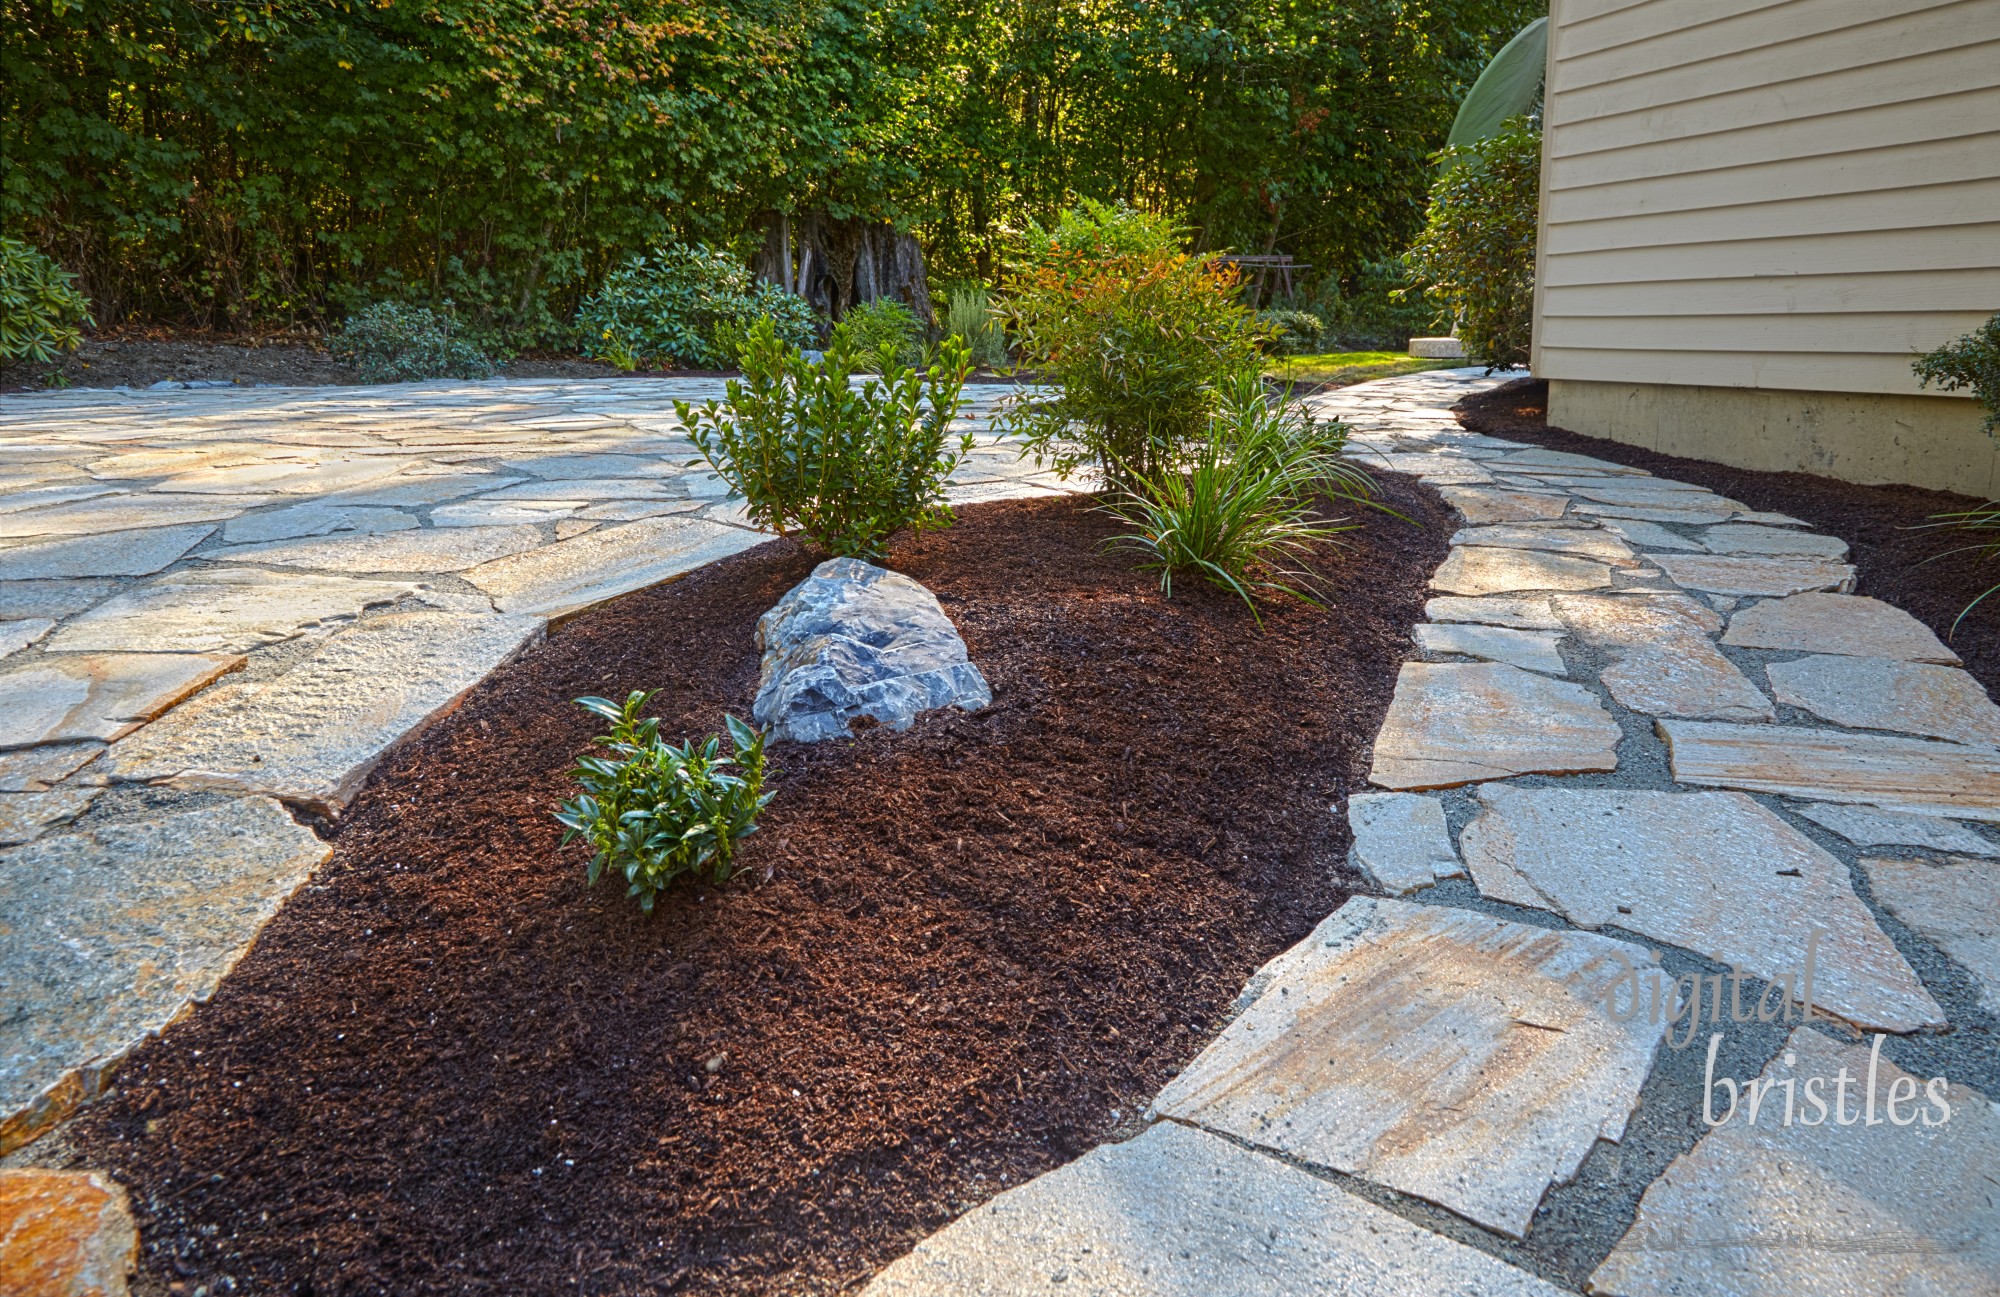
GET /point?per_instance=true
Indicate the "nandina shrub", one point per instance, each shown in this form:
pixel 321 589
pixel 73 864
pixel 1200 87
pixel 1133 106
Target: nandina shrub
pixel 658 811
pixel 1476 256
pixel 843 466
pixel 1137 338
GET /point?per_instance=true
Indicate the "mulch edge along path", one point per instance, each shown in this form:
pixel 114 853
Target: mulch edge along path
pixel 1894 554
pixel 959 956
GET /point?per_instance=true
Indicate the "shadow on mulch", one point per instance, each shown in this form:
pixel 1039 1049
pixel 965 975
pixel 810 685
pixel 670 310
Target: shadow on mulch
pixel 1879 523
pixel 960 956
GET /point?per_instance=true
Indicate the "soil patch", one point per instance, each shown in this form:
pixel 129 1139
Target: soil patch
pixel 959 956
pixel 1882 525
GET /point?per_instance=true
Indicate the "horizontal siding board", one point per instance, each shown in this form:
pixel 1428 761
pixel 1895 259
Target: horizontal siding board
pixel 1906 166
pixel 1968 67
pixel 1889 211
pixel 1974 291
pixel 1871 126
pixel 1862 372
pixel 1867 45
pixel 1941 248
pixel 1760 29
pixel 1881 332
pixel 1643 22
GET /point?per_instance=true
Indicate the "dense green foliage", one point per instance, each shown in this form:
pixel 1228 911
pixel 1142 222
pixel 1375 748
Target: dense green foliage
pixel 844 467
pixel 41 310
pixel 1137 339
pixel 1476 256
pixel 1971 363
pixel 392 343
pixel 685 306
pixel 656 811
pixel 969 314
pixel 884 322
pixel 229 163
pixel 1243 504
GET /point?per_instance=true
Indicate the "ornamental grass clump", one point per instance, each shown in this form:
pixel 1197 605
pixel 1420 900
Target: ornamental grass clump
pixel 658 811
pixel 1245 502
pixel 841 466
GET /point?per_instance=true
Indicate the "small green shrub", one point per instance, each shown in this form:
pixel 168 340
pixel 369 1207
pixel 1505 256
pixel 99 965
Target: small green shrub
pixel 1375 309
pixel 1971 363
pixel 845 467
pixel 657 811
pixel 969 314
pixel 687 306
pixel 1136 337
pixel 1293 333
pixel 1245 503
pixel 393 343
pixel 41 311
pixel 884 322
pixel 1476 255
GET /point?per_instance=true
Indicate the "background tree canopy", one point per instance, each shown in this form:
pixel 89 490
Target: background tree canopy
pixel 219 163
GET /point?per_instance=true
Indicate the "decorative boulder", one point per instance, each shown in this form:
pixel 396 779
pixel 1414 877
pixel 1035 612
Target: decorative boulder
pixel 855 640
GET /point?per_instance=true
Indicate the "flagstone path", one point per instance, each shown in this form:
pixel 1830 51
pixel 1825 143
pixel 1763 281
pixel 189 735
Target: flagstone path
pixel 1648 742
pixel 215 604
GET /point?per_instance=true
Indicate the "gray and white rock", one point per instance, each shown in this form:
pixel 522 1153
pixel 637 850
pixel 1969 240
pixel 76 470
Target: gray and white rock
pixel 854 640
pixel 1938 702
pixel 1401 840
pixel 1458 723
pixel 1837 623
pixel 1766 1209
pixel 1181 1213
pixel 1952 903
pixel 1710 872
pixel 1870 826
pixel 1527 649
pixel 1442 1053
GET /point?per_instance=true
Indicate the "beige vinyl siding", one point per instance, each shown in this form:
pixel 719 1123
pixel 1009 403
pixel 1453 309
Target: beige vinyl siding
pixel 1795 193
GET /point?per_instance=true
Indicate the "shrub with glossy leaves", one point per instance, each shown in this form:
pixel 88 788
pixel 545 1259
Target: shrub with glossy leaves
pixel 41 311
pixel 658 811
pixel 686 306
pixel 1971 363
pixel 1137 338
pixel 1476 256
pixel 884 322
pixel 844 467
pixel 1293 333
pixel 393 343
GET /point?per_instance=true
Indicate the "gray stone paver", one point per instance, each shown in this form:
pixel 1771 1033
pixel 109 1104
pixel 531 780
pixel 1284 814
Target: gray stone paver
pixel 1401 840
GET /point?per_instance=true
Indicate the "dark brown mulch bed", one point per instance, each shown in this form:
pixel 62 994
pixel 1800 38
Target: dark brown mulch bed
pixel 962 954
pixel 1881 524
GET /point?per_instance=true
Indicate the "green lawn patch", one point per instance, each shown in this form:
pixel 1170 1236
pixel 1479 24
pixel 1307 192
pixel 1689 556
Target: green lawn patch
pixel 1342 367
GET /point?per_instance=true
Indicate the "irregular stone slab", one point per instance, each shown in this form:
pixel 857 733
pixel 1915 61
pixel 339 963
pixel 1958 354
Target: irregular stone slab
pixel 442 549
pixel 118 513
pixel 1684 675
pixel 17 635
pixel 1650 535
pixel 1633 619
pixel 107 935
pixel 1770 1210
pixel 1713 873
pixel 61 697
pixel 1726 574
pixel 65 1234
pixel 124 553
pixel 1921 775
pixel 1499 610
pixel 1866 826
pixel 1954 904
pixel 1770 519
pixel 1470 571
pixel 1180 1213
pixel 312 734
pixel 1584 542
pixel 1654 513
pixel 582 489
pixel 1742 538
pixel 591 466
pixel 1461 1058
pixel 1527 649
pixel 1537 458
pixel 35 497
pixel 283 477
pixel 1884 694
pixel 1482 504
pixel 51 598
pixel 1401 840
pixel 225 608
pixel 603 564
pixel 26 816
pixel 36 770
pixel 1848 624
pixel 316 519
pixel 634 510
pixel 855 640
pixel 1458 723
pixel 505 513
pixel 416 490
pixel 1653 493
